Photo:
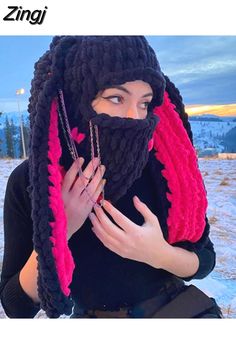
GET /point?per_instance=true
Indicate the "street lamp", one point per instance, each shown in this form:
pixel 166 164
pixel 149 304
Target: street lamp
pixel 18 93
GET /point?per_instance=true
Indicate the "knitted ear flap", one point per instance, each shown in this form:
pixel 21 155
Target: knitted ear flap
pixel 173 148
pixel 55 261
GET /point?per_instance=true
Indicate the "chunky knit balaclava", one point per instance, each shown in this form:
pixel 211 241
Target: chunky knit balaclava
pixel 81 66
pixel 124 150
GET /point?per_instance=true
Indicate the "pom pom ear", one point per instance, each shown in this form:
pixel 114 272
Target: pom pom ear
pixel 173 148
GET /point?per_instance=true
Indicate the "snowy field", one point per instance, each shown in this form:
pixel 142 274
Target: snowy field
pixel 220 181
pixel 210 134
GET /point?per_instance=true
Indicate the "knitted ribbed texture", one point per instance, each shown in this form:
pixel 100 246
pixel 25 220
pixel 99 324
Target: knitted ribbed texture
pixel 62 255
pixel 186 218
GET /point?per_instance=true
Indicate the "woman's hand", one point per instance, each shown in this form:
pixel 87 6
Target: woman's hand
pixel 140 243
pixel 77 203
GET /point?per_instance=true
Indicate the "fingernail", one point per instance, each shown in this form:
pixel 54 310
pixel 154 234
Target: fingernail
pixel 106 203
pixel 102 182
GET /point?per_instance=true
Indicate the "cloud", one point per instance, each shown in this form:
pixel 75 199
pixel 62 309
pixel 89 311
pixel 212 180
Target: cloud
pixel 209 89
pixel 220 110
pixel 202 67
pixel 206 67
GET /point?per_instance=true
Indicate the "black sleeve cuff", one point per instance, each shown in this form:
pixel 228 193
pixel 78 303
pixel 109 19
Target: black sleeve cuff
pixel 15 302
pixel 206 256
pixel 206 264
pixel 204 249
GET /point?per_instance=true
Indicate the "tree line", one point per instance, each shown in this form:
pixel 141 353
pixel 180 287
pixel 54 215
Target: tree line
pixel 230 141
pixel 10 138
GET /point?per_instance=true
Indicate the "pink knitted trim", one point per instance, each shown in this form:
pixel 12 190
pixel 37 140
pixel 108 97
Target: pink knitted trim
pixel 186 218
pixel 62 255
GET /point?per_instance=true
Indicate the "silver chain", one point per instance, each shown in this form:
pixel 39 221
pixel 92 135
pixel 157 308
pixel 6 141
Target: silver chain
pixel 73 152
pixel 72 148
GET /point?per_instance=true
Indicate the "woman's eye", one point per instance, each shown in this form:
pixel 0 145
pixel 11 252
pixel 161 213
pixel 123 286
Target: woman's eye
pixel 114 99
pixel 120 99
pixel 145 105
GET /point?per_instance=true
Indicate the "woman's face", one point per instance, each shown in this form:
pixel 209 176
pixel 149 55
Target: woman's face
pixel 129 100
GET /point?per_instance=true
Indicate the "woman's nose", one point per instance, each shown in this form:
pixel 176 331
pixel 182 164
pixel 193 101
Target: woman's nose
pixel 132 112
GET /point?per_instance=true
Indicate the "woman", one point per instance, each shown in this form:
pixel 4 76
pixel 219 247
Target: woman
pixel 114 217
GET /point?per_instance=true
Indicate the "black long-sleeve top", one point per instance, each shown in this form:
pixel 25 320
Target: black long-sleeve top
pixel 101 277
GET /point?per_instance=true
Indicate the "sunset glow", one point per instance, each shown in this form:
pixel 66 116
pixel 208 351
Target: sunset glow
pixel 219 110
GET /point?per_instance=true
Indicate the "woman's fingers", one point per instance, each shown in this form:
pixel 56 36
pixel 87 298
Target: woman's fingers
pixel 106 223
pixel 72 180
pixel 121 220
pixel 74 194
pixel 84 180
pixel 89 170
pixel 108 241
pixel 92 198
pixel 93 184
pixel 71 174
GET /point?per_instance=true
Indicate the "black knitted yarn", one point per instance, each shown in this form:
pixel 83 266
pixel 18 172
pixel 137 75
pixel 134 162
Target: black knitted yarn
pixel 103 61
pixel 177 100
pixel 124 150
pixel 52 299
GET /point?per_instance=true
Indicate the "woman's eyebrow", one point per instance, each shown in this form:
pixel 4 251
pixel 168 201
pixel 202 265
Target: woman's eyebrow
pixel 127 91
pixel 148 94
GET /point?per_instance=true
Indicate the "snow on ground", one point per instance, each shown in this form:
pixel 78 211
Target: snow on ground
pixel 209 134
pixel 220 181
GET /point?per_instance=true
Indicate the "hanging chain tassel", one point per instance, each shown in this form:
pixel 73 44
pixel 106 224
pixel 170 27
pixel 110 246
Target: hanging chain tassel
pixel 72 148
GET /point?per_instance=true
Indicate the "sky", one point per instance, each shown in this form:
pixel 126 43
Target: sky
pixel 202 67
